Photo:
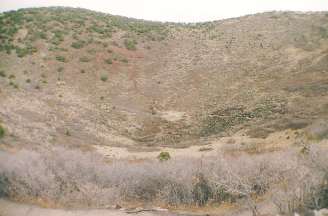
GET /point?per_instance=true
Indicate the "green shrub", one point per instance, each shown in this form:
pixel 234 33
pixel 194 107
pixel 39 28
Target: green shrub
pixel 28 81
pixel 61 59
pixel 2 74
pixel 12 76
pixel 124 60
pixel 164 156
pixel 67 133
pixel 109 61
pixel 130 44
pixel 78 44
pixel 104 78
pixel 84 59
pixel 2 132
pixel 323 32
pixel 22 52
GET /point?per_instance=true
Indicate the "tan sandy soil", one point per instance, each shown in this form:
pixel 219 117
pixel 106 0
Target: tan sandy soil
pixel 273 142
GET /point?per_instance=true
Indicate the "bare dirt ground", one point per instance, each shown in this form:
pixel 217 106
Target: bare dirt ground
pixel 8 208
pixel 273 142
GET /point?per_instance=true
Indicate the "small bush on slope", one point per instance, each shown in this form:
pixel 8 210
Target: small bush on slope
pixel 104 77
pixel 2 132
pixel 130 44
pixel 164 156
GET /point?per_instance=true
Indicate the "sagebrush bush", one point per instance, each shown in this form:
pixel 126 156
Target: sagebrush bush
pixel 130 44
pixel 61 58
pixel 2 132
pixel 164 156
pixel 83 178
pixel 78 44
pixel 108 61
pixel 84 59
pixel 104 77
pixel 2 73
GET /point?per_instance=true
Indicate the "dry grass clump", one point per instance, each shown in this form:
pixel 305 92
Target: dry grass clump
pixel 72 178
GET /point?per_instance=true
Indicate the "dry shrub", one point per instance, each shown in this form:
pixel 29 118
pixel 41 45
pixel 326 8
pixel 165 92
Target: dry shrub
pixel 318 130
pixel 304 186
pixel 72 178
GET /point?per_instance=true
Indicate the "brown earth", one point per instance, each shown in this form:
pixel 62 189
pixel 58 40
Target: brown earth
pixel 181 85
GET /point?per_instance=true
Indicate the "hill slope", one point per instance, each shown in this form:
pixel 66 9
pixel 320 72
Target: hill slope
pixel 78 77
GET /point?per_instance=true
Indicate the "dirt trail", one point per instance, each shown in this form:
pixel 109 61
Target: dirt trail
pixel 273 141
pixel 8 208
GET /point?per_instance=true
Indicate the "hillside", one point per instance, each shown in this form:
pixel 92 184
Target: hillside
pixel 80 78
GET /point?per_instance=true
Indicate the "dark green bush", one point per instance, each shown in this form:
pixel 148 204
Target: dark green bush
pixel 130 44
pixel 109 61
pixel 12 76
pixel 124 60
pixel 78 44
pixel 104 78
pixel 22 52
pixel 164 156
pixel 61 58
pixel 3 74
pixel 2 132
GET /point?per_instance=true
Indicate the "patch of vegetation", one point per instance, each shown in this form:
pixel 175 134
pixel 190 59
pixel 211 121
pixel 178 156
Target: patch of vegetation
pixel 104 77
pixel 318 88
pixel 164 156
pixel 224 119
pixel 323 32
pixel 317 130
pixel 78 44
pixel 58 37
pixel 2 73
pixel 61 59
pixel 12 76
pixel 84 59
pixel 124 60
pixel 28 80
pixel 205 149
pixel 109 61
pixel 243 178
pixel 2 131
pixel 67 133
pixel 22 52
pixel 130 44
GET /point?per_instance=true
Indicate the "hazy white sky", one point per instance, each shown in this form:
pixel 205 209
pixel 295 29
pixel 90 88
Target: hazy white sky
pixel 176 10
